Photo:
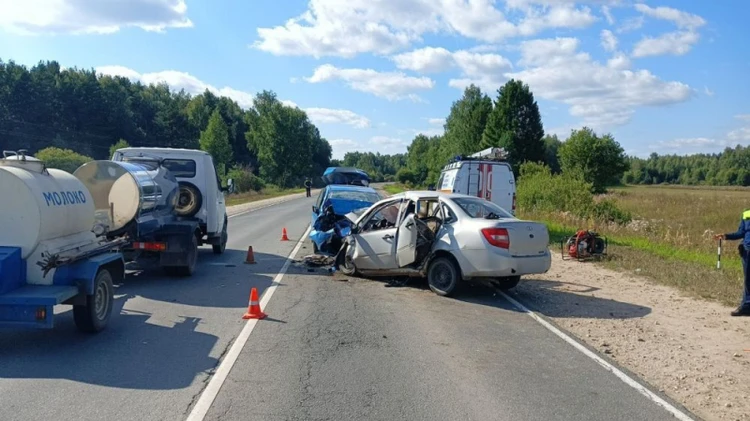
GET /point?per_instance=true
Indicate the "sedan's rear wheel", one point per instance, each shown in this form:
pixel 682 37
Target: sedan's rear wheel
pixel 443 276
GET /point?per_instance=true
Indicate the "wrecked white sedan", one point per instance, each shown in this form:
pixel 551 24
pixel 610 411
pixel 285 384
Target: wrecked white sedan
pixel 449 238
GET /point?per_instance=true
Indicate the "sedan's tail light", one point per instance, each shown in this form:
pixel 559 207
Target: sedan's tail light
pixel 497 237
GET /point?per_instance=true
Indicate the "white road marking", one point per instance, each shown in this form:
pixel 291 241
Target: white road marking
pixel 609 367
pixel 217 380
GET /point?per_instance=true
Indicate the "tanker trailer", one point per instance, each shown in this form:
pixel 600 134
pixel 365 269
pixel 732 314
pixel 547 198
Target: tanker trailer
pixel 49 251
pixel 137 201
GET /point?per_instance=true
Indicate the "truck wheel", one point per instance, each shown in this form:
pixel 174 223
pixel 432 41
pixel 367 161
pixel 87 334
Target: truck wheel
pixel 94 316
pixel 219 248
pixel 443 276
pixel 507 283
pixel 191 258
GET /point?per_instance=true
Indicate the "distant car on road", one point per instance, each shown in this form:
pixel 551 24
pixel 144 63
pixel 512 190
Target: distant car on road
pixel 447 237
pixel 332 205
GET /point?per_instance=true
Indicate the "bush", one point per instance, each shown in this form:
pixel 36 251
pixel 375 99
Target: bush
pixel 122 143
pixel 62 159
pixel 541 191
pixel 606 210
pixel 245 180
pixel 405 175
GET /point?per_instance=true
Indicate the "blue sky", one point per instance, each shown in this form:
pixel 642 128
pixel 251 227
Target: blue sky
pixel 665 77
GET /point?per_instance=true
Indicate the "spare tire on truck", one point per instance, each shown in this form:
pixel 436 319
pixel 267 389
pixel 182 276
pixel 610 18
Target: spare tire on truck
pixel 189 200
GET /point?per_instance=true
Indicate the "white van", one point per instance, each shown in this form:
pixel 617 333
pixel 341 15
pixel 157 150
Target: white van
pixel 485 174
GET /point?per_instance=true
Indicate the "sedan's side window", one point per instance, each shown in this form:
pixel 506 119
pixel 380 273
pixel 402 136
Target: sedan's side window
pixel 449 216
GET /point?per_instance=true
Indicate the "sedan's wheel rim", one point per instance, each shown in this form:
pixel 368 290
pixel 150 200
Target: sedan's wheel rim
pixel 101 303
pixel 442 276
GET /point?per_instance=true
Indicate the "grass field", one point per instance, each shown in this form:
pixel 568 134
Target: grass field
pixel 394 188
pixel 267 193
pixel 670 237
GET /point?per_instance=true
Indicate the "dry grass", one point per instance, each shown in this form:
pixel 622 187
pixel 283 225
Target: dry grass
pixel 670 238
pixel 268 193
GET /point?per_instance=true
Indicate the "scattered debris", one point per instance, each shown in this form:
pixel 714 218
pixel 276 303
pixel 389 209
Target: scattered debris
pixel 318 260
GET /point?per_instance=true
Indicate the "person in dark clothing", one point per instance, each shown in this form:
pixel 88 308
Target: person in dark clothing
pixel 742 233
pixel 308 186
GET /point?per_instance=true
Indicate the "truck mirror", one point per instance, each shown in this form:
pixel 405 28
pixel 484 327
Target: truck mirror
pixel 230 186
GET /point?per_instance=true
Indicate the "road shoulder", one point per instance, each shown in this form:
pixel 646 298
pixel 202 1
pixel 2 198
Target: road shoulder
pixel 689 349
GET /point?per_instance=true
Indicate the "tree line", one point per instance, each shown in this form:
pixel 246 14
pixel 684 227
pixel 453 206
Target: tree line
pixel 74 115
pixel 728 168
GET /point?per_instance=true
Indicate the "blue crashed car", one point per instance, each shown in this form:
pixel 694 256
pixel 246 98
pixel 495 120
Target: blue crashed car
pixel 329 224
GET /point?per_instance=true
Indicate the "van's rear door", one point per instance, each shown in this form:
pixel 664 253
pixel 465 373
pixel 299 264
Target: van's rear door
pixel 502 187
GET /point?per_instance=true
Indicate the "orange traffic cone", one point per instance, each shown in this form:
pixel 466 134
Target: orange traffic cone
pixel 250 259
pixel 253 309
pixel 283 235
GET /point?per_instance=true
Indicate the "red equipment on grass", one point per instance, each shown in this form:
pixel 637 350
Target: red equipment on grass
pixel 584 245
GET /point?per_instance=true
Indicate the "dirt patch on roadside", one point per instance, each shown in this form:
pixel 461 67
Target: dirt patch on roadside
pixel 690 349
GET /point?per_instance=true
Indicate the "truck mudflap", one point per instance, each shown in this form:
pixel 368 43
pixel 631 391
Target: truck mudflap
pixel 182 245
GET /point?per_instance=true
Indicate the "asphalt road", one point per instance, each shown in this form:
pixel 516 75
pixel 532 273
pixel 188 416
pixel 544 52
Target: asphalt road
pixel 333 348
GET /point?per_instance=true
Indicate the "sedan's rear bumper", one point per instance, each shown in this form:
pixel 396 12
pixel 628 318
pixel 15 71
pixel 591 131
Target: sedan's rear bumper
pixel 489 263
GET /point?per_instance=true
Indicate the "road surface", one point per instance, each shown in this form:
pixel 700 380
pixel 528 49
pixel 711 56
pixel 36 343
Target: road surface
pixel 333 348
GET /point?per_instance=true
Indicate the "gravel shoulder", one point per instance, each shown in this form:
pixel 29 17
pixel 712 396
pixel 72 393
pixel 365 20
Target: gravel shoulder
pixel 690 349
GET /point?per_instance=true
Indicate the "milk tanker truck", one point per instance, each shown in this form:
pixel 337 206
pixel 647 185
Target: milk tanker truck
pixel 51 251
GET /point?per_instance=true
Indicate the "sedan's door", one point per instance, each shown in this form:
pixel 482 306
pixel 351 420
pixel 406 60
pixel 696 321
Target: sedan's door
pixel 376 245
pixel 406 243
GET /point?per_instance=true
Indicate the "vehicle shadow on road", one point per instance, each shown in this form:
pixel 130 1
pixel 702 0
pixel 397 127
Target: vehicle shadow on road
pixel 219 281
pixel 132 353
pixel 570 300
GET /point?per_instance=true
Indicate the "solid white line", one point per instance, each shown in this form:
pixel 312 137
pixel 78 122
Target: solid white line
pixel 217 380
pixel 614 370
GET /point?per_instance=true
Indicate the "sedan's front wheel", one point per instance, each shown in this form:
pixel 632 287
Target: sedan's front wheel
pixel 443 276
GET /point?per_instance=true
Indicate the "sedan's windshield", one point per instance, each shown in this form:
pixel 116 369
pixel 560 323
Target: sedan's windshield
pixel 480 208
pixel 361 196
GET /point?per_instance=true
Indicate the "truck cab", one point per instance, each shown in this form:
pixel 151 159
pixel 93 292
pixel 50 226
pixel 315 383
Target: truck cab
pixel 201 194
pixel 486 174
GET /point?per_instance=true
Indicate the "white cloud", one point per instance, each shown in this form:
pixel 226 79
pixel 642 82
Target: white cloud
pixel 619 62
pixel 425 60
pixel 346 28
pixel 745 117
pixel 289 103
pixel 680 145
pixel 177 81
pixel 609 40
pixel 674 43
pixel 339 147
pixel 708 91
pixel 483 70
pixel 631 24
pixel 740 135
pixel 387 141
pixel 601 95
pixel 436 121
pixel 390 85
pixel 329 115
pixel 681 19
pixel 608 15
pixel 91 16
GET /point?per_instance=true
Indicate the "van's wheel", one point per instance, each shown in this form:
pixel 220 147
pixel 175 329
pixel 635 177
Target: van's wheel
pixel 219 248
pixel 443 276
pixel 507 283
pixel 94 315
pixel 191 258
pixel 345 262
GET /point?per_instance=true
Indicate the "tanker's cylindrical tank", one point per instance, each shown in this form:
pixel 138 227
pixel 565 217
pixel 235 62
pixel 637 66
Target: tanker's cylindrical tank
pixel 40 204
pixel 124 192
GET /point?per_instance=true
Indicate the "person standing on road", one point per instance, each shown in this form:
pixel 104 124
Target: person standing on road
pixel 308 186
pixel 742 233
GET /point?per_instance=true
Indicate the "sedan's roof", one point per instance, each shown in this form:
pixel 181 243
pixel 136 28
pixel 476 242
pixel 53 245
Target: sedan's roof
pixel 350 187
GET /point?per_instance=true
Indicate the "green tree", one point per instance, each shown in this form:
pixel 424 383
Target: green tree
pixel 215 141
pixel 601 160
pixel 62 159
pixel 551 147
pixel 466 123
pixel 516 125
pixel 122 143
